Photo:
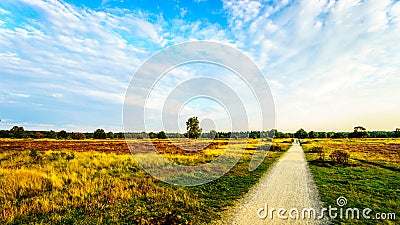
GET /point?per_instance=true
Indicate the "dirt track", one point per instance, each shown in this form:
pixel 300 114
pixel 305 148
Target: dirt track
pixel 289 184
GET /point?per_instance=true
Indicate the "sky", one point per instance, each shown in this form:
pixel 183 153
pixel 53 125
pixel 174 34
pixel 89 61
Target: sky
pixel 331 65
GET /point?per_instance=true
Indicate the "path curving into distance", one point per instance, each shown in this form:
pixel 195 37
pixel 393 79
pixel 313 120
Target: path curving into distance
pixel 289 184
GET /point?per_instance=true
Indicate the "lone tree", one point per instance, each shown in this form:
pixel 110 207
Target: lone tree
pixel 301 134
pixel 359 132
pixel 359 129
pixel 193 129
pixel 17 132
pixel 397 133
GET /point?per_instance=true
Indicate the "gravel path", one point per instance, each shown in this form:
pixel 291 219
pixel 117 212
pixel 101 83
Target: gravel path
pixel 289 184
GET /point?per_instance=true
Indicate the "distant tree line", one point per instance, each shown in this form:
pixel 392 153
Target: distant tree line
pixel 359 132
pixel 20 132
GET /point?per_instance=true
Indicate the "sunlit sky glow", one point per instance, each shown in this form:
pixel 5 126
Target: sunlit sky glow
pixel 331 64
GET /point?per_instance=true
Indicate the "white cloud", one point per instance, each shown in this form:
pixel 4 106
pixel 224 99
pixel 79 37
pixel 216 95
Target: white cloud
pixel 275 85
pixel 20 95
pixel 326 53
pixel 243 10
pixel 77 48
pixel 4 12
pixel 183 12
pixel 57 95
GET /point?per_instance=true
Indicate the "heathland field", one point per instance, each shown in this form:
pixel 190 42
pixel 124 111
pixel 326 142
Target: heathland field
pixel 368 178
pixel 99 182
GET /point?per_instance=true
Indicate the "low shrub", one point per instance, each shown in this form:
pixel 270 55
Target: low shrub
pixel 316 149
pixel 319 150
pixel 269 147
pixel 339 156
pixel 35 155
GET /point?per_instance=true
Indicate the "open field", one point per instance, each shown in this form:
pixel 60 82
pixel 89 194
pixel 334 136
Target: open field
pixel 370 179
pixel 99 182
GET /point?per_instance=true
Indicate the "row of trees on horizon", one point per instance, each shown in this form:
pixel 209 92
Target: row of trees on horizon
pixel 359 132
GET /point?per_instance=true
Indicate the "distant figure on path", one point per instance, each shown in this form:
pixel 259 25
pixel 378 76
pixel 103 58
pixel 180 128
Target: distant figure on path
pixel 300 142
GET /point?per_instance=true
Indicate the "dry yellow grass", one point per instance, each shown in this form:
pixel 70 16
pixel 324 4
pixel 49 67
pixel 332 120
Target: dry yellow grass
pixel 95 187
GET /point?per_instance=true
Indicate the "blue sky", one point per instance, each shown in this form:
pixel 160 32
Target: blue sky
pixel 331 65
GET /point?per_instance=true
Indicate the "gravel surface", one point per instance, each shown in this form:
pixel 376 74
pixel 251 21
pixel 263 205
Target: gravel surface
pixel 289 184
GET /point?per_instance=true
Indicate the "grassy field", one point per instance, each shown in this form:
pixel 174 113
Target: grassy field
pixel 99 182
pixel 370 179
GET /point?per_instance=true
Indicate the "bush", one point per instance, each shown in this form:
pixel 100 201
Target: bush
pixel 78 136
pixel 70 156
pixel 61 155
pixel 38 135
pixel 319 150
pixel 272 148
pixel 52 134
pixel 276 148
pixel 110 135
pixel 34 154
pixel 152 135
pixel 339 156
pixel 316 149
